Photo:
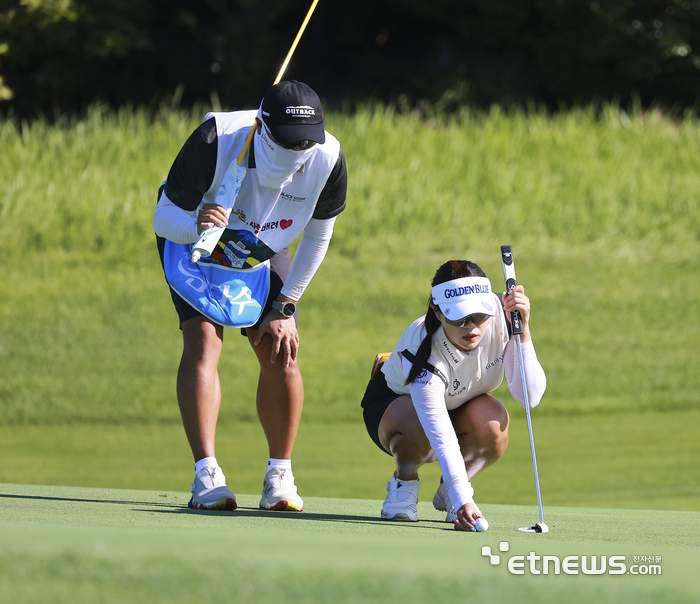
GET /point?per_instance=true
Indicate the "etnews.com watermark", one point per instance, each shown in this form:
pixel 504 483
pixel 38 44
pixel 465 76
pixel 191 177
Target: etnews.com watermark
pixel 574 565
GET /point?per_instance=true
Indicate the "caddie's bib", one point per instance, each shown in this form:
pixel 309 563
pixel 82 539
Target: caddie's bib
pixel 263 221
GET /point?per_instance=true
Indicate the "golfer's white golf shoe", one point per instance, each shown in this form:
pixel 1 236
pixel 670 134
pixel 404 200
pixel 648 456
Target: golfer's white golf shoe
pixel 441 502
pixel 280 492
pixel 209 490
pixel 401 500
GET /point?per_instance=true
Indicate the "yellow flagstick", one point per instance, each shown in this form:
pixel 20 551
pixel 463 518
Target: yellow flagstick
pixel 279 75
pixel 296 41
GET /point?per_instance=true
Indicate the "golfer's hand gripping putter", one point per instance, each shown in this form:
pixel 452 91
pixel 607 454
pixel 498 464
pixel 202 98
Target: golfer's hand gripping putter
pixel 509 274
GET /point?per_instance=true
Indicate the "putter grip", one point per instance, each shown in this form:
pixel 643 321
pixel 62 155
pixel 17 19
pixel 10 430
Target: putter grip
pixel 509 274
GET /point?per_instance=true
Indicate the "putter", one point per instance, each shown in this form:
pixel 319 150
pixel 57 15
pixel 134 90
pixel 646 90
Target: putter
pixel 517 325
pixel 210 237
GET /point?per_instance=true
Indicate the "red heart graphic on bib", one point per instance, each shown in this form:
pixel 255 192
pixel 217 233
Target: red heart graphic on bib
pixel 285 224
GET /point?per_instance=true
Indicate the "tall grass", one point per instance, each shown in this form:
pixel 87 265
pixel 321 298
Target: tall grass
pixel 84 186
pixel 578 177
pixel 601 210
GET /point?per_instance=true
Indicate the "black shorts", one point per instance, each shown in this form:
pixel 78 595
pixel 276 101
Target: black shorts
pixel 377 398
pixel 186 312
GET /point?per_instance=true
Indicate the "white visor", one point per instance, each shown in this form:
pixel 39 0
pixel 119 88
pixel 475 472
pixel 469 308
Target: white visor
pixel 463 297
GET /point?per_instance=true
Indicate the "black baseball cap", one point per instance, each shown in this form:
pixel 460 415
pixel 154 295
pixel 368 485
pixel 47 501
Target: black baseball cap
pixel 292 111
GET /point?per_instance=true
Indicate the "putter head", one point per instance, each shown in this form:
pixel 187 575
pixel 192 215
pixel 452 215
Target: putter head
pixel 540 527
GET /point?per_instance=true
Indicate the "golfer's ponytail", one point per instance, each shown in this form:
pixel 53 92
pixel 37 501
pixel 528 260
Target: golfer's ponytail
pixel 454 269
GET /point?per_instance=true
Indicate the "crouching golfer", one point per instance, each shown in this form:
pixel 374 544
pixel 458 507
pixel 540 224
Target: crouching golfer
pixel 295 183
pixel 430 400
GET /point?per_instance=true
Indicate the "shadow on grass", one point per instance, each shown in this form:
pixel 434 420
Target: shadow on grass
pixel 243 512
pixel 83 500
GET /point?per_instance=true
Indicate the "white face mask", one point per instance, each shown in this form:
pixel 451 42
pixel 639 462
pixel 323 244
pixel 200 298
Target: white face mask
pixel 275 165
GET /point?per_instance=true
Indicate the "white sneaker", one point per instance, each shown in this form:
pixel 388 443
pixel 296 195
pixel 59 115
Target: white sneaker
pixel 441 501
pixel 401 500
pixel 209 490
pixel 280 492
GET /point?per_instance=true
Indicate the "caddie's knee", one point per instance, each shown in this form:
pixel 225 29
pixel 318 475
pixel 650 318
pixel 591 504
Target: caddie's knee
pixel 278 369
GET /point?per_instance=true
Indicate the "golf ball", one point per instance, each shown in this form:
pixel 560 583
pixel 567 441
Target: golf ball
pixel 481 525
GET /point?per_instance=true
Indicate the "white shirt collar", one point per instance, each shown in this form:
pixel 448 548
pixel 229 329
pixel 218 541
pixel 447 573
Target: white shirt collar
pixel 454 356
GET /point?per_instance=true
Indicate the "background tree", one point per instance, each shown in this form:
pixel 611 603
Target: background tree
pixel 62 55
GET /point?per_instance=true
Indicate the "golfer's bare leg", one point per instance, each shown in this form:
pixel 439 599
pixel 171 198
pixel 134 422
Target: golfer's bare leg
pixel 198 387
pixel 401 433
pixel 481 425
pixel 280 398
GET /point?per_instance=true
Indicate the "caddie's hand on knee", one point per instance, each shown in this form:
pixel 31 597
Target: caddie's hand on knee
pixel 285 337
pixel 211 214
pixel 466 516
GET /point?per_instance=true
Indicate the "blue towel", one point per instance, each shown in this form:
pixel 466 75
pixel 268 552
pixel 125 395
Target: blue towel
pixel 228 296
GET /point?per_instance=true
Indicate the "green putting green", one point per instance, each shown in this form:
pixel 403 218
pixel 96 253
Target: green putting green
pixel 110 545
pixel 602 215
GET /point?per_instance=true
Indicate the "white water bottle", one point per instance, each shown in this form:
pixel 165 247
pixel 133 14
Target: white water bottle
pixel 226 198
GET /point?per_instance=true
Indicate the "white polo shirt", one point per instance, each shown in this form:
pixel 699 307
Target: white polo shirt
pixel 455 377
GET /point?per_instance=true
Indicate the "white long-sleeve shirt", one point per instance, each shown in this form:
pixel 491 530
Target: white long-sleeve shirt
pixel 455 377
